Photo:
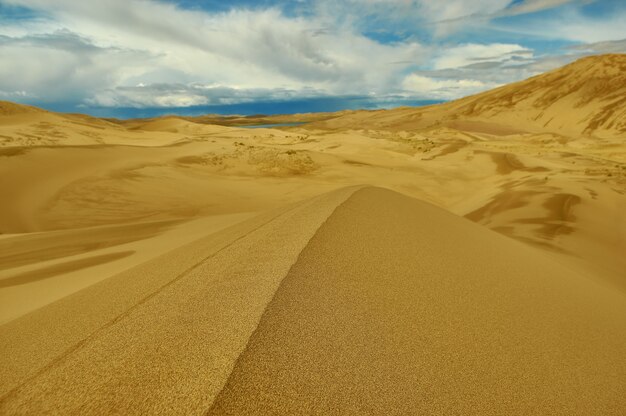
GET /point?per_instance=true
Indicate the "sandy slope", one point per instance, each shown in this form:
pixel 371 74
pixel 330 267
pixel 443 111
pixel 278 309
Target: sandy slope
pixel 584 98
pixel 333 306
pixel 396 307
pixel 215 289
pixel 39 268
pixel 237 120
pixel 22 125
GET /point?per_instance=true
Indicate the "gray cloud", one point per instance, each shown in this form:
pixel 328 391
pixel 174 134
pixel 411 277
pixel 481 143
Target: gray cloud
pixel 615 46
pixel 138 53
pixel 258 45
pixel 62 65
pixel 182 95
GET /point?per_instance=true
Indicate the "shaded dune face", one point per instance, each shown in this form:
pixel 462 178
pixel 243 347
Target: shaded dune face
pixel 360 301
pixel 397 307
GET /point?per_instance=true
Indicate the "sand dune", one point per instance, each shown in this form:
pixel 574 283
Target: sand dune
pixel 174 125
pixel 417 311
pixel 585 98
pixel 239 120
pixel 25 126
pixel 171 265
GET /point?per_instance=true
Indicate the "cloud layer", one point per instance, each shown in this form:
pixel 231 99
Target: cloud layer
pixel 158 54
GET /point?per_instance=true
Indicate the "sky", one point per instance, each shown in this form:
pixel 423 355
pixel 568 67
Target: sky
pixel 140 58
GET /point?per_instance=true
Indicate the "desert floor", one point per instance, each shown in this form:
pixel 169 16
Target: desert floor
pixel 74 215
pixel 231 270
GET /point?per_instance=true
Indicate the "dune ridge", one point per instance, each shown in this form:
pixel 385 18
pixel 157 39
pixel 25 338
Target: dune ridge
pixel 349 285
pixel 397 307
pixel 225 279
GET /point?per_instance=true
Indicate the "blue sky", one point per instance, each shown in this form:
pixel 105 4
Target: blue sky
pixel 131 58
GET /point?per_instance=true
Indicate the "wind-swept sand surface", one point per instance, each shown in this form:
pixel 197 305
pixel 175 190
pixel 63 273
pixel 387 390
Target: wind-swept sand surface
pixel 39 268
pixel 397 307
pixel 166 331
pixel 359 301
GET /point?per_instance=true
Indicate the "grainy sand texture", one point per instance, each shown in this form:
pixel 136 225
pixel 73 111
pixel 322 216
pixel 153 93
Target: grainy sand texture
pixel 466 258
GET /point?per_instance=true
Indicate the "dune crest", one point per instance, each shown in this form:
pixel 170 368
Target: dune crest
pixel 410 308
pixel 215 288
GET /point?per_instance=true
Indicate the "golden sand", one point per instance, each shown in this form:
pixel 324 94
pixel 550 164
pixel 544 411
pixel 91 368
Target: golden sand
pixel 360 301
pixel 397 307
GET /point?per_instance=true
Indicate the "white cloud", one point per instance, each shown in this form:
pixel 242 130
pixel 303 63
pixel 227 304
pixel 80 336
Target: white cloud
pixel 147 96
pixel 454 9
pixel 453 16
pixel 262 40
pixel 532 6
pixel 13 95
pixel 434 11
pixel 62 66
pixel 442 17
pixel 182 95
pixel 572 25
pixel 470 53
pixel 584 29
pixel 151 53
pixel 250 49
pixel 444 89
pixel 614 46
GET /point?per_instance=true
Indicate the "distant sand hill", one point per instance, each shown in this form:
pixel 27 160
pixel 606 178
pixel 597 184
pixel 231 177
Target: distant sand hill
pixel 463 258
pixel 361 301
pixel 585 98
pixel 26 126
